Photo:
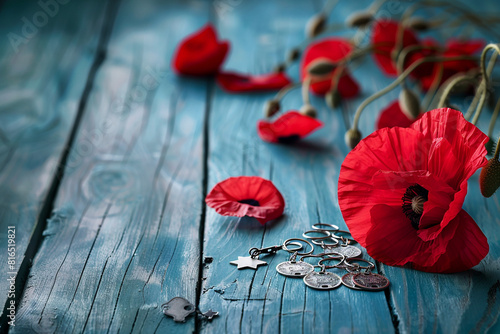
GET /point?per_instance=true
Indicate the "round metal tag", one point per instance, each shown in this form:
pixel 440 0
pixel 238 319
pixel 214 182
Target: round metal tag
pixel 294 268
pixel 370 281
pixel 322 280
pixel 349 251
pixel 347 281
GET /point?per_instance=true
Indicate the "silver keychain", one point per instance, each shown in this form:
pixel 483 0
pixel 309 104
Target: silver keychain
pixel 253 261
pixel 353 269
pixel 294 268
pixel 346 249
pixel 322 280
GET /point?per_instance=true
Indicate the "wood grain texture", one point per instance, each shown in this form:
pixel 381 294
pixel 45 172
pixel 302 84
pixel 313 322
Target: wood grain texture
pixel 45 57
pixel 123 238
pixel 306 174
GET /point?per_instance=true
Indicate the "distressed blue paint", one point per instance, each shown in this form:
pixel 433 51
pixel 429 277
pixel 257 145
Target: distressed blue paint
pixel 124 235
pixel 42 82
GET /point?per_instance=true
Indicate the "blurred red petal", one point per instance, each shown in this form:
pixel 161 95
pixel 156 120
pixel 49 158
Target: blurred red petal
pixel 200 53
pixel 250 196
pixel 384 40
pixel 288 128
pixel 393 116
pixel 335 50
pixel 236 83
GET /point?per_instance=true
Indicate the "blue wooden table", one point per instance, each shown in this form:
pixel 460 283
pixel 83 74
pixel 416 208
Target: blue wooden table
pixel 106 157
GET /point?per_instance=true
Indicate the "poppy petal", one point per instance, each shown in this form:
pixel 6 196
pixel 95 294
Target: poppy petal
pixel 393 116
pixel 384 39
pixel 464 251
pixel 334 50
pixel 287 128
pixel 247 196
pixel 200 53
pixel 237 83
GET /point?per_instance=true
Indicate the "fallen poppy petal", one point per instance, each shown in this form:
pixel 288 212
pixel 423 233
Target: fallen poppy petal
pixel 200 53
pixel 237 83
pixel 288 128
pixel 250 196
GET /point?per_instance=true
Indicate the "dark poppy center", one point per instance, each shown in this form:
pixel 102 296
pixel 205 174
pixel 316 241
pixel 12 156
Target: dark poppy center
pixel 288 139
pixel 250 201
pixel 413 203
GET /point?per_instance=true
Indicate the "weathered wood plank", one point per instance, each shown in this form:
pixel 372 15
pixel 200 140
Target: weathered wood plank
pixel 123 238
pixel 306 174
pixel 45 57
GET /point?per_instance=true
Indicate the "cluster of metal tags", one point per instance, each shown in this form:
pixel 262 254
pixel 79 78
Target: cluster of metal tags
pixel 336 247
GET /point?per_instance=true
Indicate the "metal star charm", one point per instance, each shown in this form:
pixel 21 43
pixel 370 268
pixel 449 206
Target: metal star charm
pixel 248 262
pixel 210 314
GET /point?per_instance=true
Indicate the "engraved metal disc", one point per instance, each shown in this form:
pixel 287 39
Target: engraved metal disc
pixel 294 268
pixel 371 281
pixel 347 281
pixel 322 280
pixel 349 251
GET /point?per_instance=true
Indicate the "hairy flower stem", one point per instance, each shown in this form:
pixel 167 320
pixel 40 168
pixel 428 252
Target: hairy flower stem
pixel 497 150
pixel 305 90
pixel 450 84
pixel 285 90
pixel 494 119
pixel 399 79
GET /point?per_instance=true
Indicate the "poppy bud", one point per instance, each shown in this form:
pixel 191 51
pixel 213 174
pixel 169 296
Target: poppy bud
pixel 321 67
pixel 359 19
pixel 271 108
pixel 308 110
pixel 333 98
pixel 409 103
pixel 418 24
pixel 293 55
pixel 489 180
pixel 352 138
pixel 280 68
pixel 316 25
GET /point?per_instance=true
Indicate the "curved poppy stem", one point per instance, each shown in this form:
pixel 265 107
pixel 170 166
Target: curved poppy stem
pixel 399 79
pixel 485 83
pixel 285 90
pixel 305 90
pixel 497 150
pixel 433 88
pixel 494 119
pixel 450 84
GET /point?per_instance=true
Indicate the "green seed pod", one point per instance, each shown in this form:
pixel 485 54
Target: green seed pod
pixel 293 55
pixel 418 23
pixel 271 108
pixel 333 98
pixel 308 110
pixel 409 103
pixel 316 25
pixel 359 19
pixel 489 179
pixel 352 138
pixel 321 67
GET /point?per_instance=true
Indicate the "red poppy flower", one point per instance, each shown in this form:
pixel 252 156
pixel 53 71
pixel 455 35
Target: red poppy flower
pixel 288 128
pixel 401 192
pixel 200 53
pixel 384 39
pixel 235 82
pixel 335 50
pixel 393 116
pixel 250 196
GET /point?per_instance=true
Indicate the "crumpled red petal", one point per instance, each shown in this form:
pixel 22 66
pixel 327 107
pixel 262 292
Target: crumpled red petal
pixel 393 116
pixel 384 37
pixel 227 197
pixel 237 83
pixel 335 50
pixel 288 128
pixel 200 53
